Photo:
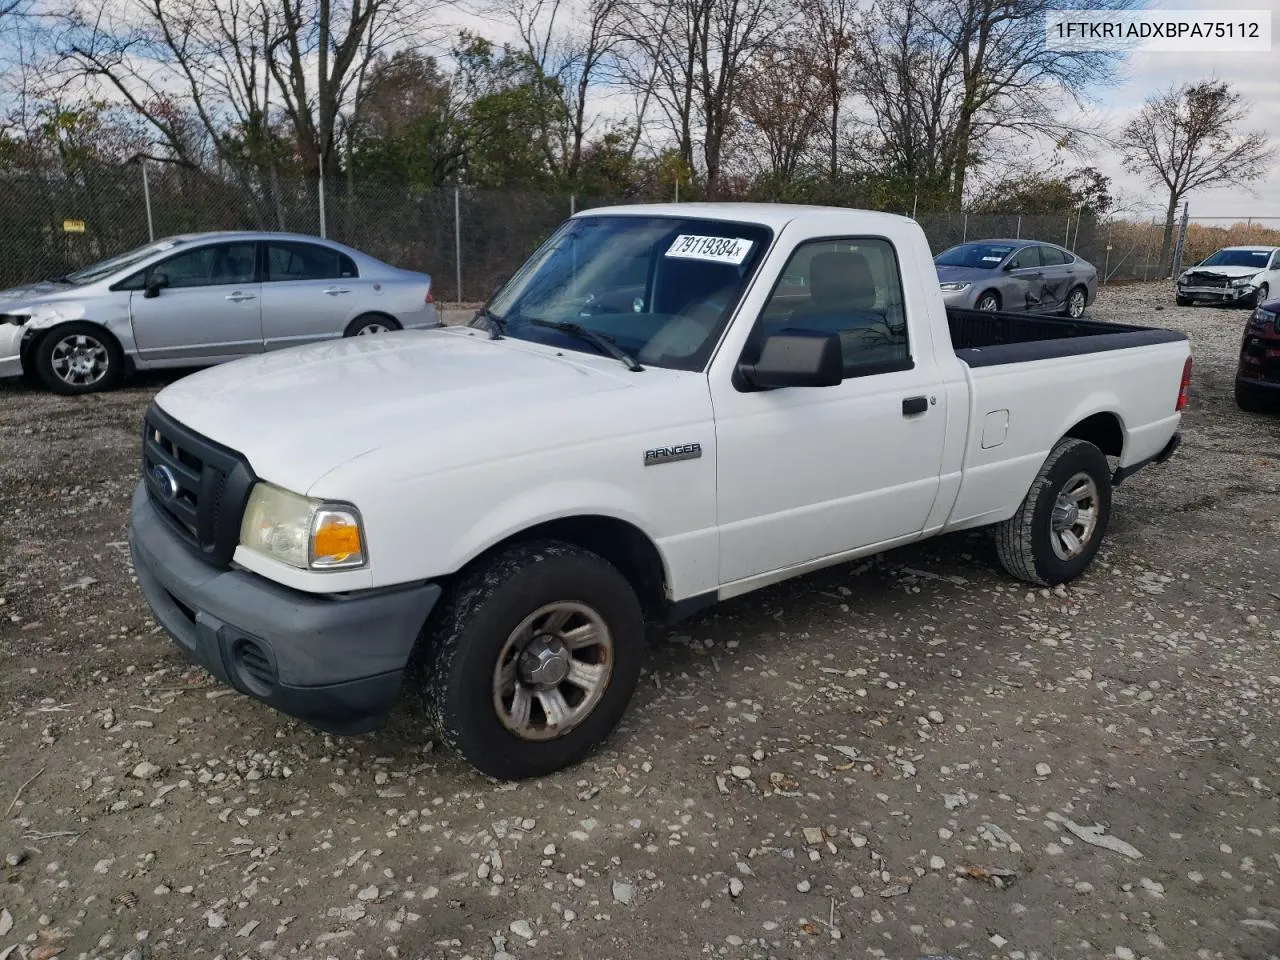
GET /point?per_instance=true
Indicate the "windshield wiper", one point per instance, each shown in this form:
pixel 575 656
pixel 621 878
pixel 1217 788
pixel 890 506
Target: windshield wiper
pixel 593 338
pixel 497 326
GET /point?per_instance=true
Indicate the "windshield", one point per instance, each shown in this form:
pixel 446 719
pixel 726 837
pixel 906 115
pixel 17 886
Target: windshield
pixel 1237 258
pixel 983 256
pixel 118 263
pixel 659 288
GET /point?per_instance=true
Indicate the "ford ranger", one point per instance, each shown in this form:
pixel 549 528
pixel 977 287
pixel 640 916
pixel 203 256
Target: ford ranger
pixel 666 406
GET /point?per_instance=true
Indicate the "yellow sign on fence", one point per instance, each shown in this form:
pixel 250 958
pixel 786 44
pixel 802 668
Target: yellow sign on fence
pixel 73 226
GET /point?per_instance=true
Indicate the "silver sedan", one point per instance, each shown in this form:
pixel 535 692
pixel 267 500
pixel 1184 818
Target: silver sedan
pixel 201 299
pixel 1016 275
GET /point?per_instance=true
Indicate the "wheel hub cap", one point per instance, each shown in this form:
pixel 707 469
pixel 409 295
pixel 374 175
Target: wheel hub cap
pixel 1065 514
pixel 545 662
pixel 1075 517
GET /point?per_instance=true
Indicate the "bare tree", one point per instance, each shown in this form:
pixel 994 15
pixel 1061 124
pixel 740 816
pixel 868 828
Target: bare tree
pixel 691 55
pixel 829 26
pixel 783 104
pixel 233 58
pixel 1189 137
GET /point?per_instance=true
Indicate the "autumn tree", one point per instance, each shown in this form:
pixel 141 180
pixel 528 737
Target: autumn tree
pixel 782 105
pixel 1191 137
pixel 830 30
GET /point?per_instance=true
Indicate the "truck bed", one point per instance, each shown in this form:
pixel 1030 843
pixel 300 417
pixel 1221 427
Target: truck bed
pixel 983 338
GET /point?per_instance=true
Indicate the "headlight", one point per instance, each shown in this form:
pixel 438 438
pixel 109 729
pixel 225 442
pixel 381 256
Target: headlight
pixel 1261 317
pixel 304 533
pixel 1244 281
pixel 953 287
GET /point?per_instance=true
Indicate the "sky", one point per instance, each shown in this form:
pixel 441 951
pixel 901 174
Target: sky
pixel 1255 75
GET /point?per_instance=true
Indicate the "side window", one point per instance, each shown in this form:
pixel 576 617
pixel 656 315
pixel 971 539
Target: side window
pixel 217 265
pixel 306 261
pixel 1275 261
pixel 852 288
pixel 1052 257
pixel 1026 257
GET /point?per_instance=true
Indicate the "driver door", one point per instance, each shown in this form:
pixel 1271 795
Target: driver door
pixel 206 310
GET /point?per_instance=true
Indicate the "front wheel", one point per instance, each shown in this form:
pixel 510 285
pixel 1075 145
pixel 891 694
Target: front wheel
pixel 989 301
pixel 1251 399
pixel 1261 295
pixel 533 659
pixel 78 358
pixel 1182 301
pixel 1059 527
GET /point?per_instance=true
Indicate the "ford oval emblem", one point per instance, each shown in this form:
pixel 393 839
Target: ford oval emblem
pixel 166 482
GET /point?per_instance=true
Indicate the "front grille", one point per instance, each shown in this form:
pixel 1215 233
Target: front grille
pixel 1205 280
pixel 200 487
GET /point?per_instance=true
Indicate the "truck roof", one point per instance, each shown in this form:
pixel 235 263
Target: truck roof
pixel 775 215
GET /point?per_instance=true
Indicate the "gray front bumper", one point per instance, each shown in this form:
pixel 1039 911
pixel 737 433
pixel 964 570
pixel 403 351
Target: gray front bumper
pixel 334 661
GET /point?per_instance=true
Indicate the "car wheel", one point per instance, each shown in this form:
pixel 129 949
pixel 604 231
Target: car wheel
pixel 78 358
pixel 989 301
pixel 1182 301
pixel 1252 400
pixel 1077 299
pixel 1060 525
pixel 533 658
pixel 1261 295
pixel 369 324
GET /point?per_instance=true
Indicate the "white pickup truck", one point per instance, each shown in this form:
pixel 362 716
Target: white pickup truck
pixel 666 406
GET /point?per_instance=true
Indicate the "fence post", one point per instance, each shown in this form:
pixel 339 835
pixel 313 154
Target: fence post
pixel 1106 266
pixel 964 233
pixel 146 198
pixel 1079 217
pixel 1176 267
pixel 1248 229
pixel 1018 234
pixel 1066 241
pixel 457 241
pixel 573 204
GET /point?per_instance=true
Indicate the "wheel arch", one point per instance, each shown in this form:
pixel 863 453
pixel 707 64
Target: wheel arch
pixel 618 541
pixel 34 335
pixel 371 315
pixel 1105 430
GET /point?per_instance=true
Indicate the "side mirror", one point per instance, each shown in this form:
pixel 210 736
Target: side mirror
pixel 797 359
pixel 1009 266
pixel 156 283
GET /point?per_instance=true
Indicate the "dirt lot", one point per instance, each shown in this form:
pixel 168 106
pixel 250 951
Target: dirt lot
pixel 901 758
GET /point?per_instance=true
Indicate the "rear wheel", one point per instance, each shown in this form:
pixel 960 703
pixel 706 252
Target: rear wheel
pixel 1077 299
pixel 989 301
pixel 533 659
pixel 78 358
pixel 1059 527
pixel 369 324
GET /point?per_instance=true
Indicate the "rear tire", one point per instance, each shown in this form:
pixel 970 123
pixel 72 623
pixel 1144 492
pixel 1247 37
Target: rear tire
pixel 494 656
pixel 1252 400
pixel 1059 527
pixel 989 301
pixel 78 358
pixel 1077 300
pixel 370 323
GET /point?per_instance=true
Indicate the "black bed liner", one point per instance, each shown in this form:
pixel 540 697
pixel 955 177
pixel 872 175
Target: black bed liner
pixel 984 338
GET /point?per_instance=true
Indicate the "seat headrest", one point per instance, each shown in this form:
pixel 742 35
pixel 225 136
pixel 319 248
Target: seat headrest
pixel 841 279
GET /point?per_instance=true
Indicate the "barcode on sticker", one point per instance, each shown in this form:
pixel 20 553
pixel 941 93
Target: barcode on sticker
pixel 716 249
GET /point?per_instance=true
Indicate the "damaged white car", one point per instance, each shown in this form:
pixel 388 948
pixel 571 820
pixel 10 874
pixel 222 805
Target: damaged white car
pixel 1242 276
pixel 201 299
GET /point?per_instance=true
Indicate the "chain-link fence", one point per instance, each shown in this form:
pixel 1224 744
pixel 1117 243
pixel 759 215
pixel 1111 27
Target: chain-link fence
pixel 469 240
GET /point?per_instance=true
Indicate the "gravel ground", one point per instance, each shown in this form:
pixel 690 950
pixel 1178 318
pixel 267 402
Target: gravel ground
pixel 908 757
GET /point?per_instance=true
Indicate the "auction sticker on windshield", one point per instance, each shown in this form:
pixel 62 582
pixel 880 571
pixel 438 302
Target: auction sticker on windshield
pixel 716 249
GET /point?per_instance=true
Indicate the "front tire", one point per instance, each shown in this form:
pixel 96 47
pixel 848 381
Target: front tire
pixel 78 358
pixel 989 301
pixel 1059 527
pixel 533 659
pixel 1260 296
pixel 1182 301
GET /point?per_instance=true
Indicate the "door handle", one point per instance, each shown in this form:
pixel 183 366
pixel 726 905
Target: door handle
pixel 912 406
pixel 336 291
pixel 239 297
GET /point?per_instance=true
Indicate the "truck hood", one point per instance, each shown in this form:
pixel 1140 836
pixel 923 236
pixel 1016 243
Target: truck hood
pixel 297 414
